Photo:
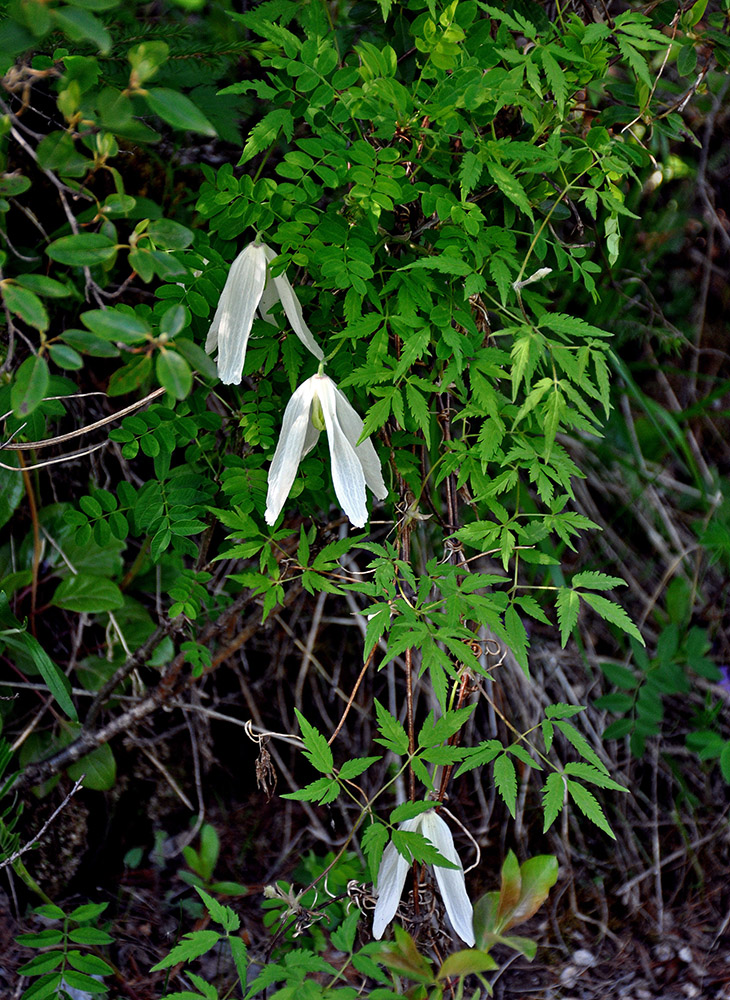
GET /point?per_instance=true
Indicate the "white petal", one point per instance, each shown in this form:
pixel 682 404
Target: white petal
pixel 352 426
pixel 295 435
pixel 391 879
pixel 233 319
pixel 293 309
pixel 347 473
pixel 450 880
pixel 269 297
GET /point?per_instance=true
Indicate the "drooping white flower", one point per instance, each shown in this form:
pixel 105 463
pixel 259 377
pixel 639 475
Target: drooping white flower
pixel 315 406
pixel 249 286
pixel 394 869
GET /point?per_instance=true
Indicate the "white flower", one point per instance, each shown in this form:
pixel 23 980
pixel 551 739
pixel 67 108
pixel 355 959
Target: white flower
pixel 249 287
pixel 394 868
pixel 318 404
pixel 543 272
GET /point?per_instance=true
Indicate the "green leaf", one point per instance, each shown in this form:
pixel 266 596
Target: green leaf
pixel 409 810
pixel 589 806
pixel 477 756
pixel 581 744
pixel 174 373
pixel 613 613
pixel 517 637
pixel 323 790
pixel 238 950
pixel 83 983
pixel 56 682
pixel 510 187
pixel 373 842
pixel 115 324
pixel 82 249
pixel 223 915
pixel 98 767
pixel 178 110
pixel 725 762
pixel 26 304
pixel 317 751
pixel 89 594
pixel 192 945
pixel 562 711
pixel 597 581
pixel 505 780
pixel 80 25
pixel 567 606
pixel 354 768
pixel 266 132
pixel 393 735
pixel 587 772
pixel 415 847
pixel 30 386
pixel 465 963
pixel 553 798
pixel 12 488
pixel 556 78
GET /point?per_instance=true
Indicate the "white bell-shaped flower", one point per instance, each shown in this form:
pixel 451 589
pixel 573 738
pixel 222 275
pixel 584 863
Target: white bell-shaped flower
pixel 394 869
pixel 315 406
pixel 249 286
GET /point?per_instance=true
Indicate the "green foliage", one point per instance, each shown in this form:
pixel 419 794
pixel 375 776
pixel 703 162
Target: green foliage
pixel 448 193
pixel 67 951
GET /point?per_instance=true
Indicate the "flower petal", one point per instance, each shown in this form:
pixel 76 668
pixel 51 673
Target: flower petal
pixel 391 879
pixel 352 425
pixel 295 440
pixel 269 298
pixel 293 309
pixel 233 318
pixel 450 881
pixel 347 472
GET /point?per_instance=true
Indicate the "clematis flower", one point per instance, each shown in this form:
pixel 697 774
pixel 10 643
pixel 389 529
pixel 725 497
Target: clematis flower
pixel 318 404
pixel 394 868
pixel 249 287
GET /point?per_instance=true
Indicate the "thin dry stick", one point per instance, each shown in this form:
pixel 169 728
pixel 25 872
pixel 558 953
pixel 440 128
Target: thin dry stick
pixel 35 445
pixel 26 847
pixel 351 699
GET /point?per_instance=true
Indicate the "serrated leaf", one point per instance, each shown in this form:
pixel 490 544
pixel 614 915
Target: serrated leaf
pixel 223 915
pixel 354 768
pixel 373 843
pixel 577 769
pixel 556 78
pixel 613 613
pixel 589 806
pixel 323 790
pixel 477 756
pixel 393 735
pixel 562 711
pixel 510 187
pixel 409 810
pixel 505 780
pixel 266 132
pixel 553 798
pixel 581 744
pixel 597 581
pixel 317 751
pixel 192 945
pixel 567 606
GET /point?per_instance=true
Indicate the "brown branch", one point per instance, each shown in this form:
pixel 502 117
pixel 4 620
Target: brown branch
pixel 171 684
